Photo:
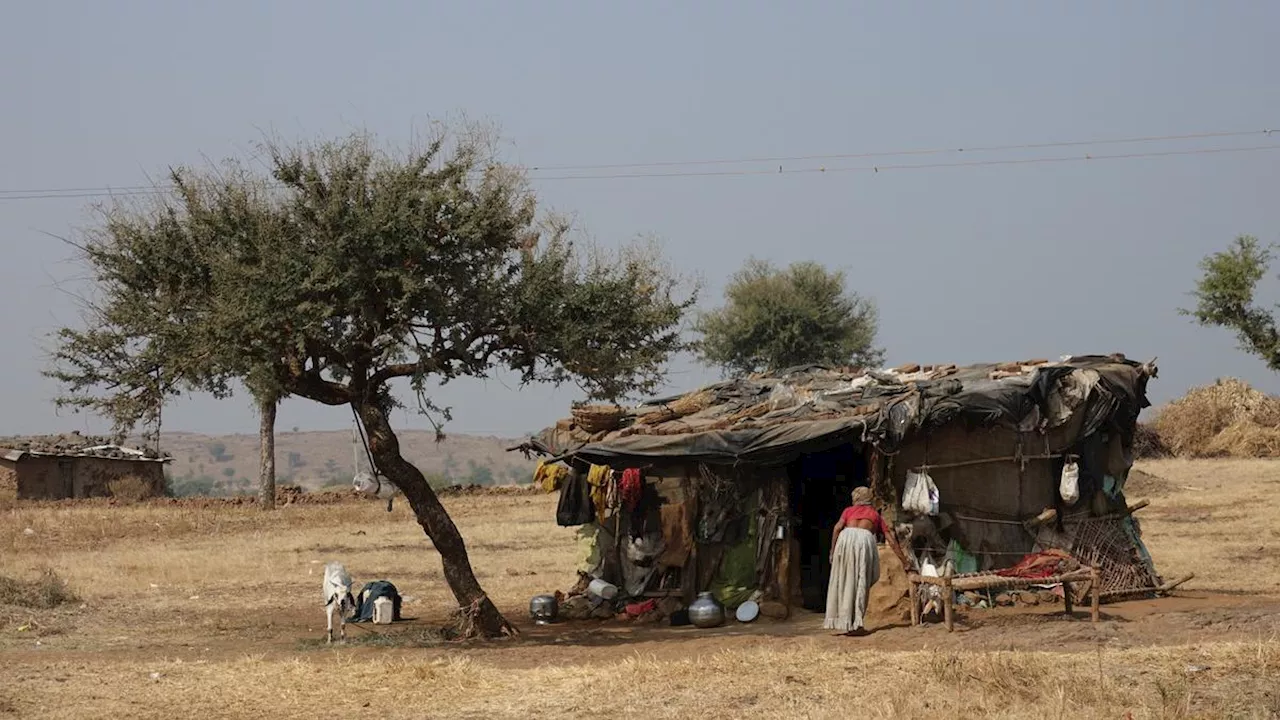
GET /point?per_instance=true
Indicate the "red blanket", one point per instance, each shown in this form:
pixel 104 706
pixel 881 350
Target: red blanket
pixel 1041 565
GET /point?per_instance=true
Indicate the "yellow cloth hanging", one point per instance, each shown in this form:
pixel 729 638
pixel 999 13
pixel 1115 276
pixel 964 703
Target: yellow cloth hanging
pixel 598 477
pixel 549 476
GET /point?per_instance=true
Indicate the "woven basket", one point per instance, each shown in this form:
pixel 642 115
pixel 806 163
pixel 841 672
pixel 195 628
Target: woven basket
pixel 598 418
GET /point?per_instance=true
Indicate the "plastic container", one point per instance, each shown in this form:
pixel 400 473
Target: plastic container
pixel 602 589
pixel 383 611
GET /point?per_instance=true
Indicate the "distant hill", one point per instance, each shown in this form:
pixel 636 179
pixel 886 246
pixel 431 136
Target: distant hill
pixel 319 459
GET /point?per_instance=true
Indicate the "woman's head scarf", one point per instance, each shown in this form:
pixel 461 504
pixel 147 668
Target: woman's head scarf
pixel 862 496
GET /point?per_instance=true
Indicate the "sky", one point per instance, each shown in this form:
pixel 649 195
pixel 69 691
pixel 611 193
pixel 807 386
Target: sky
pixel 977 256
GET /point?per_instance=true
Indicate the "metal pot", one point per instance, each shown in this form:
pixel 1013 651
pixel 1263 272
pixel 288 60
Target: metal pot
pixel 543 609
pixel 706 611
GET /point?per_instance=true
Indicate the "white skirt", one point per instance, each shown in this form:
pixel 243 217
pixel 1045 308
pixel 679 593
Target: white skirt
pixel 854 569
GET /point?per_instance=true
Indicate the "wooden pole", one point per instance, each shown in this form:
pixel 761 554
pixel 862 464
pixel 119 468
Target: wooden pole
pixel 948 599
pixel 1138 506
pixel 1095 596
pixel 915 601
pixel 1066 598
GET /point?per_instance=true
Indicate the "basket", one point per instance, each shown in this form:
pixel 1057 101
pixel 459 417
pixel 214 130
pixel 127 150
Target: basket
pixel 598 418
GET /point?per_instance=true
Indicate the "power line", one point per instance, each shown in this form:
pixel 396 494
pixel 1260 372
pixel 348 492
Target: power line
pixel 135 190
pixel 931 151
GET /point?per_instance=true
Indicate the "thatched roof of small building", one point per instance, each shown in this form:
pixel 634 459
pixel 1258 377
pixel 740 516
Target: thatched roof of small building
pixel 770 419
pixel 73 444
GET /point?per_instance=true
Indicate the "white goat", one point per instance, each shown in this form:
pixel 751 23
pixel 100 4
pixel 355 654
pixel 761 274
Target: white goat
pixel 338 601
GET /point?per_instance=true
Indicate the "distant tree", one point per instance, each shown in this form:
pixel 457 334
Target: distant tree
pixel 218 451
pixel 479 474
pixel 773 319
pixel 350 268
pixel 229 472
pixel 296 461
pixel 1225 298
pixel 331 467
pixel 450 466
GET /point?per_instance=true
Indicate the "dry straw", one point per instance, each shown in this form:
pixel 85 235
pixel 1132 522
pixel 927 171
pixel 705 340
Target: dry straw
pixel 1225 419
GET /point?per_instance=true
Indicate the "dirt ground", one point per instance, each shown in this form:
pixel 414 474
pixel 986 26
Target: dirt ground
pixel 217 610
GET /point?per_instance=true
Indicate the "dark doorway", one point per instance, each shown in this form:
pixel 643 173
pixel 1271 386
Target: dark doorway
pixel 820 487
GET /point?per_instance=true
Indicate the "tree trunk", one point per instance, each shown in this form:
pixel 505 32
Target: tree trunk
pixel 267 453
pixel 480 615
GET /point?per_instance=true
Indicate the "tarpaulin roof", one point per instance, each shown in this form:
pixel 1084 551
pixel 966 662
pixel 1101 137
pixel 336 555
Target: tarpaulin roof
pixel 772 419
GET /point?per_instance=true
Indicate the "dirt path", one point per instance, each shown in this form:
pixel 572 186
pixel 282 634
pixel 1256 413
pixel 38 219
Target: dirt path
pixel 1185 618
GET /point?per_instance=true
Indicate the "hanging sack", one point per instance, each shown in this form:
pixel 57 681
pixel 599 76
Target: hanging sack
pixel 920 495
pixel 1069 485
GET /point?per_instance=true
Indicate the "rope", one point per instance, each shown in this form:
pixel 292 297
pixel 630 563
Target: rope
pixel 373 468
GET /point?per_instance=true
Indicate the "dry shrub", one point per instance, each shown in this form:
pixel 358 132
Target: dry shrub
pixel 130 489
pixel 44 593
pixel 1226 419
pixel 1147 443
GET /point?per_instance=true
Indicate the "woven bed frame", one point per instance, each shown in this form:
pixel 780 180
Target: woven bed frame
pixel 991 581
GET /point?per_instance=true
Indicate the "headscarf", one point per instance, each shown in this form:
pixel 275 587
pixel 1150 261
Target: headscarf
pixel 862 495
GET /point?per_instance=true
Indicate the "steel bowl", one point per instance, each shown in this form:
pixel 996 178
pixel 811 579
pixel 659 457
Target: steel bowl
pixel 543 609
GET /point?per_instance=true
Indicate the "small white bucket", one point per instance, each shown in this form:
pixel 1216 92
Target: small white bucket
pixel 602 589
pixel 383 611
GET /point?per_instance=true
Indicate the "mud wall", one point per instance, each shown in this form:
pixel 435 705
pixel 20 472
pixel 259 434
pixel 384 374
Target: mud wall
pixel 48 478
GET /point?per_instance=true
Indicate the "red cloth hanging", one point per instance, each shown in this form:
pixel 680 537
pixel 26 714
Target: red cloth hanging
pixel 630 487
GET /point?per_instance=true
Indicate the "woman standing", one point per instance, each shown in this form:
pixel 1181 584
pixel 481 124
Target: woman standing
pixel 855 563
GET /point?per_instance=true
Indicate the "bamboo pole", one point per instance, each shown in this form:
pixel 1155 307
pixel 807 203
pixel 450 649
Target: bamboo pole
pixel 987 461
pixel 979 582
pixel 948 599
pixel 1095 595
pixel 915 601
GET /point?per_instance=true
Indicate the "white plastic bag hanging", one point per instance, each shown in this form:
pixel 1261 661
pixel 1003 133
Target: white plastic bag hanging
pixel 1069 485
pixel 920 495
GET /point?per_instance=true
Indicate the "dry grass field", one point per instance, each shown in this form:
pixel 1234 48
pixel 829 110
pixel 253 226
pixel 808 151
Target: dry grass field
pixel 215 612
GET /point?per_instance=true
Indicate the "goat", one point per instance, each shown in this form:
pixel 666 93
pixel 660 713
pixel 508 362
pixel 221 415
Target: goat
pixel 338 602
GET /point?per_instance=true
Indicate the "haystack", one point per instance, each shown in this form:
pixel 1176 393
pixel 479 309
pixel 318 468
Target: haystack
pixel 1226 419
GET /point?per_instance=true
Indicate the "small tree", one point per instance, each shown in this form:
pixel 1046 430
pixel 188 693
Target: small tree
pixel 773 319
pixel 362 268
pixel 1225 298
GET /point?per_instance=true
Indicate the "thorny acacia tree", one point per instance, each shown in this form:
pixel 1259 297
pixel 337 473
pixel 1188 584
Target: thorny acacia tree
pixel 158 324
pixel 1225 298
pixel 774 319
pixel 427 267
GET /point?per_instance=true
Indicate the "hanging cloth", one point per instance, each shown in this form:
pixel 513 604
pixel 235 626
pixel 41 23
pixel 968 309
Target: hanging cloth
pixel 599 478
pixel 549 476
pixel 631 487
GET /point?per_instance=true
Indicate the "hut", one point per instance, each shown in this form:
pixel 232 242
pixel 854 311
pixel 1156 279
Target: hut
pixel 76 466
pixel 734 488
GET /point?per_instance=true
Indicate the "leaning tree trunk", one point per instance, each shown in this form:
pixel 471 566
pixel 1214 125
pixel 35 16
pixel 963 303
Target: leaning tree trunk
pixel 267 453
pixel 479 615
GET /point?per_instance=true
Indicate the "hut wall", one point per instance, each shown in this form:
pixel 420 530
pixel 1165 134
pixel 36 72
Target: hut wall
pixel 8 480
pixel 54 478
pixel 92 476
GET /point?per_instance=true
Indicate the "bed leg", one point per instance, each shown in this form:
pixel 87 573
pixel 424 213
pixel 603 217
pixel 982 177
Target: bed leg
pixel 948 599
pixel 1095 595
pixel 915 602
pixel 1066 598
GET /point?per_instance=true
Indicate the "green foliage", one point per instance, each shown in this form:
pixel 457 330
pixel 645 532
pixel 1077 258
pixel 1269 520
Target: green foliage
pixel 345 267
pixel 296 461
pixel 229 472
pixel 479 474
pixel 203 486
pixel 218 451
pixel 1225 298
pixel 774 319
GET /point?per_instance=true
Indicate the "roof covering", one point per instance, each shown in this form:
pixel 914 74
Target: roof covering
pixel 771 419
pixel 73 445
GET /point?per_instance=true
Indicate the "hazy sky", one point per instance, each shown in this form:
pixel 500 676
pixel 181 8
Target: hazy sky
pixel 968 264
